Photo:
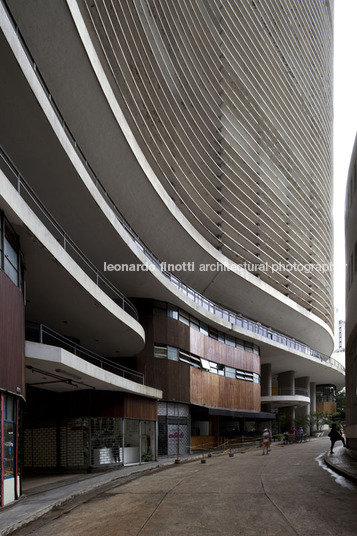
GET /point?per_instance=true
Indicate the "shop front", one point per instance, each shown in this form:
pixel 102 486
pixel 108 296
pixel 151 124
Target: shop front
pixel 10 470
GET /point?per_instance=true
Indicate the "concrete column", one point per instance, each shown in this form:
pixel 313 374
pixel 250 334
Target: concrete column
pixel 302 386
pixel 312 404
pixel 286 382
pixel 266 380
pixel 312 396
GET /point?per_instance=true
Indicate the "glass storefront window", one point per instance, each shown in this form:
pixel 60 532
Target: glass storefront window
pixel 9 449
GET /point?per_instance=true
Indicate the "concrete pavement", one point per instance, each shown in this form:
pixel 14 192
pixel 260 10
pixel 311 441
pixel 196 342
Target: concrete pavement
pixel 279 486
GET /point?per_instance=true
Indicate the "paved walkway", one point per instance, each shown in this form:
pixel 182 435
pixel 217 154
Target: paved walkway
pixel 43 495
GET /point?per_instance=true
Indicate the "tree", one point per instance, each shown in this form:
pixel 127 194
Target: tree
pixel 318 419
pixel 341 404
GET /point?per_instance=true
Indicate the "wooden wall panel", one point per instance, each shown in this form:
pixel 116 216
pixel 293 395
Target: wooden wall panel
pixel 220 392
pixel 140 408
pixel 183 383
pixel 171 332
pixel 326 407
pixel 216 351
pixel 12 336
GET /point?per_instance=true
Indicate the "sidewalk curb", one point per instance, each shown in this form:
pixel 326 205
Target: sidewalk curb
pixel 340 468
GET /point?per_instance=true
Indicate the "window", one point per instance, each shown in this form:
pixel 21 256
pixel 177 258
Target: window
pixel 230 372
pixel 172 353
pixel 221 337
pixel 184 317
pixel 205 364
pixel 160 352
pixel 256 349
pixel 248 346
pixel 9 437
pixel 194 324
pixel 175 354
pixel 172 312
pixel 231 341
pixel 190 359
pixel 213 333
pixel 9 251
pixel 240 344
pixel 204 328
pixel 256 377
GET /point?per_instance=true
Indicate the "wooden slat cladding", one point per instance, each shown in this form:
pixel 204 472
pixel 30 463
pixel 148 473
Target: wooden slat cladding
pixel 182 382
pixel 223 354
pixel 326 407
pixel 171 332
pixel 140 408
pixel 220 392
pixel 12 336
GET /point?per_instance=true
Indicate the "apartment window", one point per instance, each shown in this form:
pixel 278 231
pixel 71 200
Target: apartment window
pixel 248 346
pixel 256 349
pixel 194 324
pixel 172 353
pixel 230 340
pixel 172 312
pixel 160 352
pixel 11 256
pixel 256 377
pixel 9 251
pixel 204 328
pixel 175 354
pixel 205 364
pixel 190 359
pixel 240 344
pixel 213 333
pixel 221 337
pixel 184 317
pixel 230 372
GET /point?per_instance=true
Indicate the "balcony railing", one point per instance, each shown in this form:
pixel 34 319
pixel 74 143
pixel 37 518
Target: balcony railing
pixel 45 335
pixel 292 391
pixel 26 192
pixel 236 319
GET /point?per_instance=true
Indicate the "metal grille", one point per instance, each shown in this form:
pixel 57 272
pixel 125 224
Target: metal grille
pixel 174 429
pixel 106 441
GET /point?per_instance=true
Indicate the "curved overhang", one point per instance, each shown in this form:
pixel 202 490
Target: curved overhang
pixel 61 291
pixel 281 401
pixel 255 298
pixel 55 369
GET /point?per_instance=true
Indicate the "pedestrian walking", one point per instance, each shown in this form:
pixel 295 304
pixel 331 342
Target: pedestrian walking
pixel 266 441
pixel 334 436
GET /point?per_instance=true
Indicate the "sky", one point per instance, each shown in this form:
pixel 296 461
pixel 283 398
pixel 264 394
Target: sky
pixel 345 127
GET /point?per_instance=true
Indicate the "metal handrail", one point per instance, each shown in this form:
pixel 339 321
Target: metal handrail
pixel 292 391
pixel 65 241
pixel 236 319
pixel 45 333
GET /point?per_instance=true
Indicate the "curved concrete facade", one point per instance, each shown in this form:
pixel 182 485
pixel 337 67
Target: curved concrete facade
pixel 235 120
pixel 194 138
